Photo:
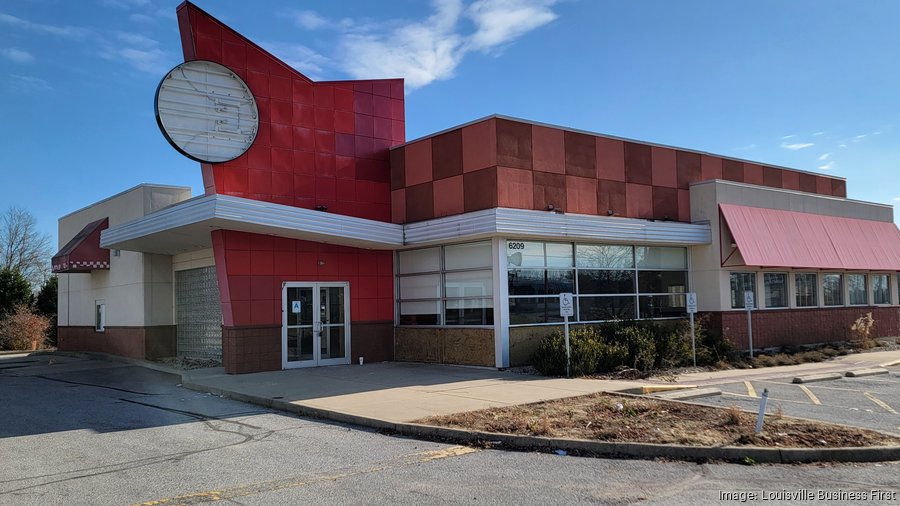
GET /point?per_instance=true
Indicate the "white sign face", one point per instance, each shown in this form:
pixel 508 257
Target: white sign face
pixel 691 302
pixel 206 111
pixel 748 300
pixel 296 307
pixel 566 305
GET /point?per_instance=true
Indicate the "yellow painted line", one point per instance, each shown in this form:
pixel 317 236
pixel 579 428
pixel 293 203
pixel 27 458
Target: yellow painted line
pixel 881 403
pixel 276 485
pixel 650 389
pixel 815 400
pixel 750 390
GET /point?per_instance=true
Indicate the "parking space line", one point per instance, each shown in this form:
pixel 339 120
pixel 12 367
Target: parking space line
pixel 750 390
pixel 745 396
pixel 881 403
pixel 815 400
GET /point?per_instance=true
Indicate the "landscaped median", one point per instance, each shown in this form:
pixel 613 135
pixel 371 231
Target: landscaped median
pixel 639 427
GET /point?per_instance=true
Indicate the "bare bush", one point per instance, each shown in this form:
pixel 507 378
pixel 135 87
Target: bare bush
pixel 24 330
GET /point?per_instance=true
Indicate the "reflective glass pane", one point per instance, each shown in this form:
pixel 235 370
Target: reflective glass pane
pixel 469 312
pixel 741 282
pixel 807 289
pixel 426 312
pixel 333 342
pixel 881 292
pixel 299 299
pixel 419 260
pixel 468 284
pixel 662 306
pixel 559 255
pixel 527 281
pixel 660 257
pixel 524 254
pixel 534 310
pixel 605 308
pixel 468 256
pixel 597 281
pixel 427 286
pixel 604 256
pixel 559 281
pixel 331 300
pixel 833 289
pixel 299 344
pixel 662 281
pixel 856 285
pixel 775 289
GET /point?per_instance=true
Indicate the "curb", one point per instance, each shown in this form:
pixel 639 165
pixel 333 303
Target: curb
pixel 17 352
pixel 890 364
pixel 93 355
pixel 576 446
pixel 679 395
pixel 861 373
pixel 817 377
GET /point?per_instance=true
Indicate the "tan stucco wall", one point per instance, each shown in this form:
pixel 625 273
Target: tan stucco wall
pixel 137 288
pixel 709 279
pixel 193 260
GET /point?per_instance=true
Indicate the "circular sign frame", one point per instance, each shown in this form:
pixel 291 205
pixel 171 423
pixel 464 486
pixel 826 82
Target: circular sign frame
pixel 206 111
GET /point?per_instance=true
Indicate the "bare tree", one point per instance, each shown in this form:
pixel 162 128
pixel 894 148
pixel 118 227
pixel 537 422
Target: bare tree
pixel 23 247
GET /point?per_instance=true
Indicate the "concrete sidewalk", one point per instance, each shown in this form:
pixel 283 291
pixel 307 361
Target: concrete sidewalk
pixel 397 391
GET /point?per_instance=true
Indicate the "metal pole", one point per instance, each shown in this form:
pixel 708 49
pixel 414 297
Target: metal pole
pixel 750 330
pixel 693 340
pixel 568 352
pixel 762 410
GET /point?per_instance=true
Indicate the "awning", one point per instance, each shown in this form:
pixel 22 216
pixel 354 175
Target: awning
pixel 774 238
pixel 83 253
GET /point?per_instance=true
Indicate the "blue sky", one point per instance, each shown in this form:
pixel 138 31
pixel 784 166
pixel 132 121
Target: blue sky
pixel 807 84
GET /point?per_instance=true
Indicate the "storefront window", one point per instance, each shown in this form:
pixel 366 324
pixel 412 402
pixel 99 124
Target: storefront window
pixel 806 284
pixel 776 289
pixel 742 282
pixel 833 289
pixel 856 286
pixel 881 291
pixel 450 285
pixel 606 279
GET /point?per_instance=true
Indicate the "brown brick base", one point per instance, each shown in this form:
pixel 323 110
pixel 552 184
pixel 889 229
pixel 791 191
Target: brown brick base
pixel 251 348
pixel 135 342
pixel 779 327
pixel 258 348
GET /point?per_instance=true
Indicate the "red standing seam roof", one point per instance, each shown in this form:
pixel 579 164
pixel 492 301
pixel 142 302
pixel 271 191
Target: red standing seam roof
pixel 774 238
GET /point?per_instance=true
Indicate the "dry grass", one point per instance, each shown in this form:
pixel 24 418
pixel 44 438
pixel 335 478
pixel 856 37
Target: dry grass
pixel 608 417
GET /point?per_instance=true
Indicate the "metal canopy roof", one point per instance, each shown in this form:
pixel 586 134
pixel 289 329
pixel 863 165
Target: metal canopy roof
pixel 775 238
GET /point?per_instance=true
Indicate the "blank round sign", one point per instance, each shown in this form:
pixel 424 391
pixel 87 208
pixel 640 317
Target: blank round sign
pixel 206 111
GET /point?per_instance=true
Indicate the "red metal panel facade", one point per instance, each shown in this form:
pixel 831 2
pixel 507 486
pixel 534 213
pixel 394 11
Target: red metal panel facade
pixel 774 238
pixel 319 144
pixel 573 171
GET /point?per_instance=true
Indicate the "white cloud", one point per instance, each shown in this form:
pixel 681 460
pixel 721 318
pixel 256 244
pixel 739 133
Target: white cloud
pixel 824 156
pixel 827 166
pixel 842 145
pixel 797 146
pixel 786 137
pixel 16 55
pixel 138 51
pixel 300 57
pixel 125 4
pixel 28 83
pixel 141 18
pixel 60 31
pixel 896 199
pixel 428 50
pixel 816 134
pixel 309 20
pixel 502 21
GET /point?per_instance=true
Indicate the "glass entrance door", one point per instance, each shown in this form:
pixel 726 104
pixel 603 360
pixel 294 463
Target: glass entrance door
pixel 315 324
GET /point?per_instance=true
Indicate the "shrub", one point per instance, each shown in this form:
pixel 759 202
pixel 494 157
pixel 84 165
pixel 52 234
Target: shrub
pixel 611 356
pixel 23 330
pixel 673 345
pixel 586 349
pixel 640 344
pixel 861 331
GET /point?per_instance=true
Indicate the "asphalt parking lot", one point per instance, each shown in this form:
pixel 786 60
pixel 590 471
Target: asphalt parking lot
pixel 872 402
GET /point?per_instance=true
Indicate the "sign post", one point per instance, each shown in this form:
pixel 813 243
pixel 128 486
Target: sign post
pixel 567 309
pixel 691 309
pixel 749 305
